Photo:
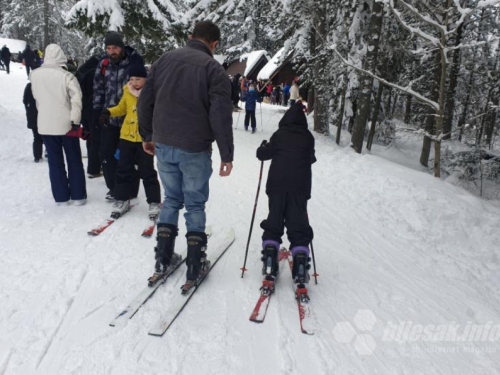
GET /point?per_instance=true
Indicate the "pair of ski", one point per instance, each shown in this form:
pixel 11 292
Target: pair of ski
pixel 267 290
pixel 179 301
pixel 147 232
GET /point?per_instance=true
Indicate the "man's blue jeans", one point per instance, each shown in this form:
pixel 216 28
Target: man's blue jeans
pixel 185 178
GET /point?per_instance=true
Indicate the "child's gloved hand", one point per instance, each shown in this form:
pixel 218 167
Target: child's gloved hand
pixel 264 143
pixel 104 118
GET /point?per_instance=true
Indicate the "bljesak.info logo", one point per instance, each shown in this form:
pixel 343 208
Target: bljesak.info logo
pixel 433 338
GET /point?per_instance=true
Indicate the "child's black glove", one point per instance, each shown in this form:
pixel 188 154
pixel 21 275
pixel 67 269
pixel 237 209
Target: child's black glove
pixel 104 118
pixel 264 142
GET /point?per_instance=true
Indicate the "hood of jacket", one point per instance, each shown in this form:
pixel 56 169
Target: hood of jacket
pixel 54 55
pixel 294 117
pixel 89 65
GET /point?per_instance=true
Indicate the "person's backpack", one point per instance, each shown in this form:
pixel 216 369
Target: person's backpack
pixel 104 66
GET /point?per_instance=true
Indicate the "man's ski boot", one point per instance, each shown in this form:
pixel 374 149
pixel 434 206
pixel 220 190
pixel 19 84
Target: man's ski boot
pixel 270 267
pixel 300 271
pixel 164 252
pixel 196 261
pixel 120 208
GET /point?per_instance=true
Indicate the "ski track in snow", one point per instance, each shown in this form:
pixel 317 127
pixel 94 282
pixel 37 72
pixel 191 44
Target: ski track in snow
pixel 388 238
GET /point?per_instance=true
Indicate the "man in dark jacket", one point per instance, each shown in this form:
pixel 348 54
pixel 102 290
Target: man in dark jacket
pixel 6 58
pixel 32 115
pixel 185 105
pixel 29 59
pixel 291 149
pixel 111 74
pixel 85 76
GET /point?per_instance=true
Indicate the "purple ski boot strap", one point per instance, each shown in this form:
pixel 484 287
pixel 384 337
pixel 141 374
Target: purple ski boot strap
pixel 300 249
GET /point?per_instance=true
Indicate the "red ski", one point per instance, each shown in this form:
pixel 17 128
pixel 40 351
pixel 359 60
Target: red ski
pixel 105 225
pixel 266 291
pixel 302 298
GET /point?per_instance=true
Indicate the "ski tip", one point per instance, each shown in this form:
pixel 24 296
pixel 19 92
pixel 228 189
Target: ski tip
pixel 307 333
pixel 155 334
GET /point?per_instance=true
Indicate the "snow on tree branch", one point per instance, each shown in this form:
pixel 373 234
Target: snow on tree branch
pixel 413 30
pixel 406 89
pixel 466 12
pixel 93 8
pixel 423 18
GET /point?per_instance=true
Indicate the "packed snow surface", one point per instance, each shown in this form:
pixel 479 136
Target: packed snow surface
pixel 404 259
pixel 14 45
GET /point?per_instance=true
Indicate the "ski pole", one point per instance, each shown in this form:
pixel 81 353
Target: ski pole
pixel 261 123
pixel 315 274
pixel 243 269
pixel 238 120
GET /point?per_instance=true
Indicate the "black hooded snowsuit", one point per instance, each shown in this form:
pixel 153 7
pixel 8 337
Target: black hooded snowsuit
pixel 291 149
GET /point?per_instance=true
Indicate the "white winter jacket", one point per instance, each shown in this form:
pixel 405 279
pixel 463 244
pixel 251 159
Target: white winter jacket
pixel 294 92
pixel 57 93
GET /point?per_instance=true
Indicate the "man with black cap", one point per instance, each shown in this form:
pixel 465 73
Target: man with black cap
pixel 111 75
pixel 184 106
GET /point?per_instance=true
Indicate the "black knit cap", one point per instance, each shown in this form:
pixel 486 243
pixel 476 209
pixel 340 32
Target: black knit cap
pixel 137 70
pixel 113 38
pixel 136 67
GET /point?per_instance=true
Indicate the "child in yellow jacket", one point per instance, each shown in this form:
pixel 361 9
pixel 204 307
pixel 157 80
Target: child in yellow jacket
pixel 131 151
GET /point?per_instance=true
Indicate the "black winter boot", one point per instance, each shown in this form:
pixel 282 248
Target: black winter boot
pixel 165 244
pixel 196 259
pixel 301 266
pixel 269 258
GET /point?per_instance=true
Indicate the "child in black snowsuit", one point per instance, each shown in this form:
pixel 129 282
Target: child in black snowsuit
pixel 291 149
pixel 32 115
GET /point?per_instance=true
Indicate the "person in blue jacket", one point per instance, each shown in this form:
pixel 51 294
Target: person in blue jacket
pixel 250 99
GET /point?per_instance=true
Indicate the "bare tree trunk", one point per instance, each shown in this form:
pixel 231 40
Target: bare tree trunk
pixel 342 109
pixel 376 111
pixel 366 84
pixel 430 120
pixel 495 100
pixel 442 95
pixel 394 105
pixel 480 130
pixel 45 23
pixel 321 97
pixel 408 109
pixel 452 87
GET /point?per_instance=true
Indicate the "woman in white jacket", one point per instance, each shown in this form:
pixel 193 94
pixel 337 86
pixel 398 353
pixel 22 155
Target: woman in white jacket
pixel 59 102
pixel 294 93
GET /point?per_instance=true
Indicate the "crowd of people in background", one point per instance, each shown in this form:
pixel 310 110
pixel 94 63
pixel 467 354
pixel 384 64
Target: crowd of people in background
pixel 30 58
pixel 283 94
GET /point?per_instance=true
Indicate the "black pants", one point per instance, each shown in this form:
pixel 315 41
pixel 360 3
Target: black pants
pixel 290 210
pixel 28 67
pixel 250 115
pixel 7 65
pixel 132 153
pixel 37 144
pixel 93 145
pixel 110 136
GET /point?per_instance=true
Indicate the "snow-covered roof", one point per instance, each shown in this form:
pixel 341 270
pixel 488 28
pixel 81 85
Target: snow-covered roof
pixel 220 58
pixel 268 70
pixel 252 59
pixel 14 45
